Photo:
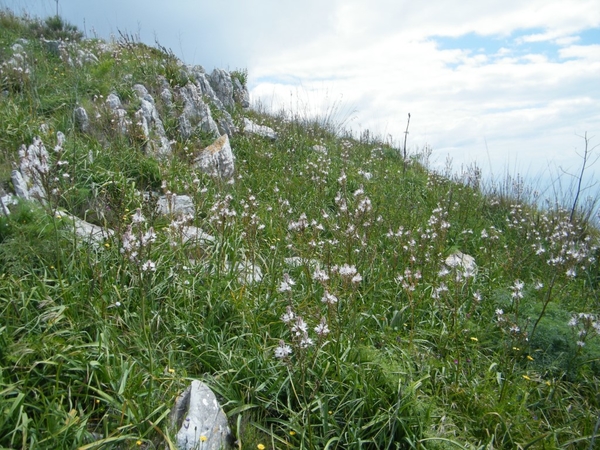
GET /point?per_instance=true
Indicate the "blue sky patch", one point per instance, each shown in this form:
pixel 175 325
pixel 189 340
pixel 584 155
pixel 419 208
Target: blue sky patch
pixel 516 44
pixel 589 37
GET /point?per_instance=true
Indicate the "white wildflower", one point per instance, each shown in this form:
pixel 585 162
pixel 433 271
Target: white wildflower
pixel 300 326
pixel 283 350
pixel 322 329
pixel 288 316
pixel 320 275
pixel 149 266
pixel 329 299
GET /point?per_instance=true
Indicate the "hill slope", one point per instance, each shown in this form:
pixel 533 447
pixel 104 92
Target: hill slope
pixel 333 294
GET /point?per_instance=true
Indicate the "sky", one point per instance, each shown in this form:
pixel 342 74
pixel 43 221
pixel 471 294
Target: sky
pixel 511 85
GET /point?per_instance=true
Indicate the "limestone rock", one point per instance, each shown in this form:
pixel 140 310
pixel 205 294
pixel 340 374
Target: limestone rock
pixel 85 57
pixel 201 421
pixel 82 121
pixel 217 159
pixel 5 201
pixel 89 232
pixel 248 273
pixel 114 103
pixel 220 81
pixel 297 261
pixel 167 97
pixel 34 167
pixel 176 205
pixel 194 235
pixel 196 114
pixel 151 124
pixel 463 261
pixel 240 94
pixel 198 74
pixel 56 48
pixel 261 130
pixel 19 185
pixel 219 100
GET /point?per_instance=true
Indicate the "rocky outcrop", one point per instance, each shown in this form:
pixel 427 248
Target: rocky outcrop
pixel 220 81
pixel 34 167
pixel 149 120
pixel 113 102
pixel 196 114
pixel 240 94
pixel 220 99
pixel 70 53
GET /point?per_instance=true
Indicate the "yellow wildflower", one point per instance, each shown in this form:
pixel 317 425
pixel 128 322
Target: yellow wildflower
pixel 260 447
pixel 203 438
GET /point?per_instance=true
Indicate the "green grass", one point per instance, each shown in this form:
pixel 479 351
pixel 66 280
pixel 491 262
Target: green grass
pixel 94 349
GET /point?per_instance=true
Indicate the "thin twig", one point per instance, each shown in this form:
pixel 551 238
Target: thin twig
pixel 405 136
pixel 586 154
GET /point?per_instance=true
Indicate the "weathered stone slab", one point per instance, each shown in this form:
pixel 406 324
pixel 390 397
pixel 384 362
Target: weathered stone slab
pixel 217 159
pixel 261 130
pixel 201 421
pixel 176 205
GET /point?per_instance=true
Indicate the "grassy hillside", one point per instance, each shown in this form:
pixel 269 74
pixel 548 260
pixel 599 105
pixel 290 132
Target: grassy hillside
pixel 363 332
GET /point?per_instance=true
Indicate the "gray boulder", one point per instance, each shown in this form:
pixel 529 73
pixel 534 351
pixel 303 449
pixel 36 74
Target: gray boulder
pixel 196 114
pixel 462 261
pixel 5 201
pixel 260 130
pixel 114 103
pixel 176 205
pixel 82 121
pixel 151 124
pixel 88 232
pixel 194 235
pixel 85 57
pixel 34 168
pixel 240 94
pixel 19 185
pixel 217 159
pixel 204 85
pixel 201 421
pixel 198 75
pixel 220 81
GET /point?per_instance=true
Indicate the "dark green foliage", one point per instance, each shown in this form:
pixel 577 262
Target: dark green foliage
pixel 55 27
